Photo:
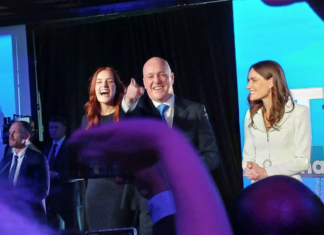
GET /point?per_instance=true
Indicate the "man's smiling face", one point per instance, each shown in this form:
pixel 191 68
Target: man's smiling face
pixel 158 79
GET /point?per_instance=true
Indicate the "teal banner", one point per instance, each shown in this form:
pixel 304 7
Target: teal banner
pixel 316 169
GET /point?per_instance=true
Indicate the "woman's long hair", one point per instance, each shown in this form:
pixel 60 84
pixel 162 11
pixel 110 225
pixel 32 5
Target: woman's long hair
pixel 280 92
pixel 92 107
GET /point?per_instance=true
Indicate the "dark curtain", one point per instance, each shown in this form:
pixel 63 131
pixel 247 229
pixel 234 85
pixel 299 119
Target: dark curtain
pixel 198 43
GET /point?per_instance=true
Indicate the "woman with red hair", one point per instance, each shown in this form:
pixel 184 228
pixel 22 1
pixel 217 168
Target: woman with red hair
pixel 105 93
pixel 103 196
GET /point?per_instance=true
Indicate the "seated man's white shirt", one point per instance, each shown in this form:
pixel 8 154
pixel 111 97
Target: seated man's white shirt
pixel 21 156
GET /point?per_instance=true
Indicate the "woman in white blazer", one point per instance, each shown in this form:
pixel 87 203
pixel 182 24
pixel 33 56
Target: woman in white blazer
pixel 277 131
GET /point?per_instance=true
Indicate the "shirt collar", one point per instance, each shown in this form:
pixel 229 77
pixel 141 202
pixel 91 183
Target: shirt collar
pixel 59 143
pixel 169 102
pixel 21 153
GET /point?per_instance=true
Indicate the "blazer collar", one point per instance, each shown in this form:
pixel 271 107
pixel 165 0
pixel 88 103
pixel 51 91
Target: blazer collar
pixel 259 122
pixel 180 111
pixel 24 164
pixel 169 102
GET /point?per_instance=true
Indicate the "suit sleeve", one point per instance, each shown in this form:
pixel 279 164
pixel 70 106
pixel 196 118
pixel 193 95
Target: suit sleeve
pixel 249 149
pixel 40 177
pixel 207 146
pixel 165 226
pixel 128 108
pixel 302 148
pixel 137 109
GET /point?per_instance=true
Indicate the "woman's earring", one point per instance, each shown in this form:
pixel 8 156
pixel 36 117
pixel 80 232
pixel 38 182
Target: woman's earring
pixel 269 89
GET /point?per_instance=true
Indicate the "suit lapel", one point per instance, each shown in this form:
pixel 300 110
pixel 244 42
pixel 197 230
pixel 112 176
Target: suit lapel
pixel 180 112
pixel 149 108
pixel 60 152
pixel 24 165
pixel 287 113
pixel 259 122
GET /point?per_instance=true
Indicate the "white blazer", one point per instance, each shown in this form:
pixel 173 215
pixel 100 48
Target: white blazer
pixel 288 148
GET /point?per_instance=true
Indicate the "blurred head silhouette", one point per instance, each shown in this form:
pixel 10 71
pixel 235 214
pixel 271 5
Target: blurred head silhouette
pixel 278 205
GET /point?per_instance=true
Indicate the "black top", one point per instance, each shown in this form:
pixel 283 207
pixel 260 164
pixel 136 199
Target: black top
pixel 104 197
pixel 104 119
pixel 107 119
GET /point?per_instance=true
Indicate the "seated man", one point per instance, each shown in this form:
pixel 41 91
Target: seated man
pixel 26 171
pixel 278 205
pixel 16 216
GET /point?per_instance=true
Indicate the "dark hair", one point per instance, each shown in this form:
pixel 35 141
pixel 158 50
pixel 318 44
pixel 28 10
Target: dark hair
pixel 26 128
pixel 280 92
pixel 58 119
pixel 31 120
pixel 277 205
pixel 92 107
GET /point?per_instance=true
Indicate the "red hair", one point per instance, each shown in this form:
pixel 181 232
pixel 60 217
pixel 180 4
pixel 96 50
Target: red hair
pixel 92 107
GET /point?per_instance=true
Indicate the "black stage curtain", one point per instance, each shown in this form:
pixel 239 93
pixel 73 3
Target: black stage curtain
pixel 198 43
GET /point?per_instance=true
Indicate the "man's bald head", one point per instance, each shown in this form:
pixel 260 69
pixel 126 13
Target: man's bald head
pixel 156 60
pixel 158 79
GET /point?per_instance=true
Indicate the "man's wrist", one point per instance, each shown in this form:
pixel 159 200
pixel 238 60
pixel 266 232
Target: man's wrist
pixel 161 205
pixel 128 106
pixel 129 101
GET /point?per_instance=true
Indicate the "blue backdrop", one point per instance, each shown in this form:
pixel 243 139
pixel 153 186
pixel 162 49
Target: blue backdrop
pixel 293 36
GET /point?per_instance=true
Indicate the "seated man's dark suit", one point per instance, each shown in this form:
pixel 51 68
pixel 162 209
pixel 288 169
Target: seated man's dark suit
pixel 32 184
pixel 64 195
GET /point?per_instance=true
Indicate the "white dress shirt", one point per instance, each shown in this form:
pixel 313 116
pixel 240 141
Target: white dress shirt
pixel 21 156
pixel 59 144
pixel 169 113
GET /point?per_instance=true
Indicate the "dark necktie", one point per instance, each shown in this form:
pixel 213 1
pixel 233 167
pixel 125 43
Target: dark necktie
pixel 162 108
pixel 13 169
pixel 52 157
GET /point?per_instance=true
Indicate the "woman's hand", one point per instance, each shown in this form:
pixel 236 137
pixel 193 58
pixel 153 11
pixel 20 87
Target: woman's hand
pixel 254 172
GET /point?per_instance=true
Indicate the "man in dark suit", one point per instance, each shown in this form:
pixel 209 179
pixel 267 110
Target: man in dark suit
pixel 160 102
pixel 188 116
pixel 63 202
pixel 27 170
